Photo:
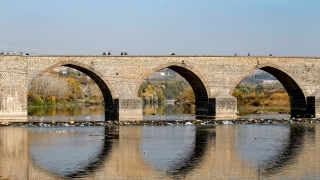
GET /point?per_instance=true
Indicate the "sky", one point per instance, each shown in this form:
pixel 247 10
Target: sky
pixel 159 27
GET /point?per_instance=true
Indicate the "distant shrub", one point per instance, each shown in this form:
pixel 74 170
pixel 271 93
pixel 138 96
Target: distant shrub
pixel 278 96
pixel 51 99
pixel 256 102
pixel 267 103
pixel 37 100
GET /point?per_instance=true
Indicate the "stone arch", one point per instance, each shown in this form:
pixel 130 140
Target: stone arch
pixel 105 87
pixel 298 103
pixel 193 77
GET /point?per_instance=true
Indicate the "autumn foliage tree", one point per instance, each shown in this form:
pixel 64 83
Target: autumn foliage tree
pixel 53 87
pixel 186 99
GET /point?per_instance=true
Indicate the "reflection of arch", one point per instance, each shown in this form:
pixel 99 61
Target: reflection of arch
pixel 298 103
pixel 110 134
pixel 202 136
pixel 291 151
pixel 201 91
pixel 102 156
pixel 105 87
pixel 219 157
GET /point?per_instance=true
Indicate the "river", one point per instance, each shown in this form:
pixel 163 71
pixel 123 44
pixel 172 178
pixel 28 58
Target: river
pixel 243 151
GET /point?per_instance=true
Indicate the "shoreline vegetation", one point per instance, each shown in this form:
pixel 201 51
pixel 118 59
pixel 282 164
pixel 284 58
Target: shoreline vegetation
pixel 73 88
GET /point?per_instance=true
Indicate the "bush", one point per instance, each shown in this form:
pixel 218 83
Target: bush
pixel 37 100
pixel 277 96
pixel 70 97
pixel 256 102
pixel 267 103
pixel 51 99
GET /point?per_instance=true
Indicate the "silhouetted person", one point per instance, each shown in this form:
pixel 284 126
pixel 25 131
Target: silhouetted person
pixel 104 53
pixel 235 54
pixel 121 53
pixel 248 54
pixel 109 53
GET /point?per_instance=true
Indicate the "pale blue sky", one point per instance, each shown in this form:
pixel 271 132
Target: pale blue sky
pixel 217 27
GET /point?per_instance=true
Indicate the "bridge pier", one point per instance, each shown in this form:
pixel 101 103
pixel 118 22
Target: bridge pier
pixel 13 103
pixel 317 107
pixel 313 107
pixel 129 108
pixel 220 107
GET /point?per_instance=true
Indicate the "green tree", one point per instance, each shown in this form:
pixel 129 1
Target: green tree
pixel 259 89
pixel 237 94
pixel 243 89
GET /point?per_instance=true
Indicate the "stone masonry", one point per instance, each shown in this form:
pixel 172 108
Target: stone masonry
pixel 212 78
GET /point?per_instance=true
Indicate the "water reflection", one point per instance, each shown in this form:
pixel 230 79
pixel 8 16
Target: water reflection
pixel 63 113
pixel 150 112
pixel 202 138
pixel 281 151
pixel 96 113
pixel 160 109
pixel 289 151
pixel 177 151
pixel 84 151
pixel 65 110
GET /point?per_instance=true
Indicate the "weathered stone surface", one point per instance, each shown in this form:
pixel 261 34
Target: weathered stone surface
pixel 130 108
pixel 13 103
pixel 120 76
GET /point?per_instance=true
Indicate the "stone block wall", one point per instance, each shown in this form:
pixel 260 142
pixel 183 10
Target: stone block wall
pixel 13 88
pixel 223 107
pixel 13 103
pixel 130 109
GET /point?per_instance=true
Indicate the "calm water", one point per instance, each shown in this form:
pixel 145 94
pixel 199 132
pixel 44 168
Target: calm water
pixel 96 113
pixel 252 151
pixel 248 151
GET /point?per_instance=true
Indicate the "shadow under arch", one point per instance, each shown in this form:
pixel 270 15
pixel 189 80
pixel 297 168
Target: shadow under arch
pixel 198 87
pixel 298 101
pixel 111 112
pixel 298 104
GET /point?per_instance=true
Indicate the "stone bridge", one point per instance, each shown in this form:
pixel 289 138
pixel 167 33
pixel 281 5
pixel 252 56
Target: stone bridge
pixel 212 78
